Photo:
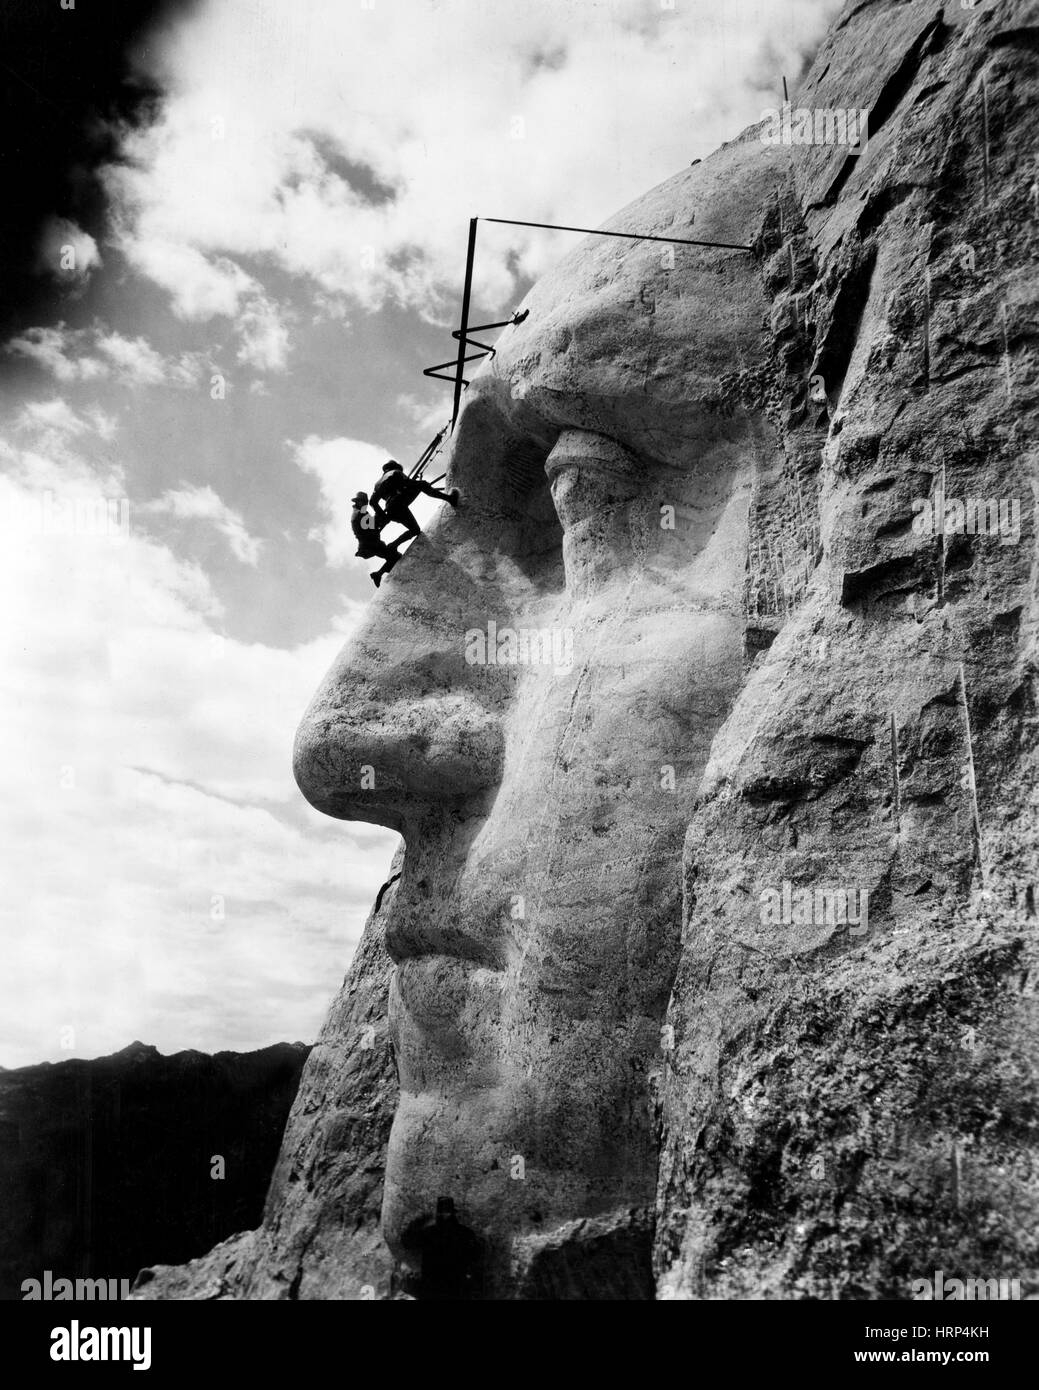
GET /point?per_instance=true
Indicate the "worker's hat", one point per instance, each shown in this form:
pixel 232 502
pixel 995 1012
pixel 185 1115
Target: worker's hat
pixel 359 497
pixel 394 465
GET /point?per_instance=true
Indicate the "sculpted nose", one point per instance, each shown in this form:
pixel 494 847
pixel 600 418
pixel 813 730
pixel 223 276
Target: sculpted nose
pixel 398 726
pixel 404 725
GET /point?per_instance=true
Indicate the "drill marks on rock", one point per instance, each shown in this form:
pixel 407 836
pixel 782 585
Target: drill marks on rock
pixel 523 465
pixel 784 544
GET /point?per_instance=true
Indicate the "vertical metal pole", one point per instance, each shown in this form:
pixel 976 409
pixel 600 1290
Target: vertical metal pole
pixel 463 327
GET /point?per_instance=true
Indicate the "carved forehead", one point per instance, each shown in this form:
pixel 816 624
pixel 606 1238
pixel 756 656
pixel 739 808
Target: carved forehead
pixel 613 325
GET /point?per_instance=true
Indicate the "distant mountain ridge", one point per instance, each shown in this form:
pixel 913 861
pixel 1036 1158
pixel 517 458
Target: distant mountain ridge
pixel 114 1163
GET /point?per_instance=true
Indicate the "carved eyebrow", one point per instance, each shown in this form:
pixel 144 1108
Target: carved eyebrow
pixel 606 455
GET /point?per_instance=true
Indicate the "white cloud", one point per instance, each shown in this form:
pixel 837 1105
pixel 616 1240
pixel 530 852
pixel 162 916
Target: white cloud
pixel 44 456
pixel 199 287
pixel 427 415
pixel 49 347
pixel 163 877
pixel 203 504
pixel 67 253
pixel 264 336
pixel 554 110
pixel 51 415
pixel 132 359
pixel 50 426
pixel 94 354
pixel 342 468
pixel 103 424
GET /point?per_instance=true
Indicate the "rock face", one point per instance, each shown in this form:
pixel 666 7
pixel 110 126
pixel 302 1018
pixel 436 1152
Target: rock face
pixel 710 970
pixel 846 1110
pixel 544 794
pixel 106 1164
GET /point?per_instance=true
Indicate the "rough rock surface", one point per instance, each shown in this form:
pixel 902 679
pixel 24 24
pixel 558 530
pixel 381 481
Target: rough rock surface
pixel 106 1164
pixel 704 471
pixel 544 801
pixel 843 1113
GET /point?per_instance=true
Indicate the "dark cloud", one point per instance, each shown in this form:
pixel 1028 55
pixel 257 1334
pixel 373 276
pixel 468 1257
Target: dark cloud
pixel 66 81
pixel 360 176
pixel 545 60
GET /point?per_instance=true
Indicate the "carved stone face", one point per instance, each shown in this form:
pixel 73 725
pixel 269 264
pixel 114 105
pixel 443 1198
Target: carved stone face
pixel 543 782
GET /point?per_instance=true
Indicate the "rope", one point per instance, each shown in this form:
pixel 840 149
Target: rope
pixel 629 236
pixel 429 453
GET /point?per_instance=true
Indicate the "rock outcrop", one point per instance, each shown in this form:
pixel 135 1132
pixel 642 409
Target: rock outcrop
pixel 108 1164
pixel 710 967
pixel 848 1108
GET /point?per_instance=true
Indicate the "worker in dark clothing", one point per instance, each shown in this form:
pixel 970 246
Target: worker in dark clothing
pixel 394 493
pixel 366 526
pixel 451 1255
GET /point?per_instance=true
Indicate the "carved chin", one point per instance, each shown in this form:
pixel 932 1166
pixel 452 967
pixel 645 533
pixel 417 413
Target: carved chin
pixel 442 1146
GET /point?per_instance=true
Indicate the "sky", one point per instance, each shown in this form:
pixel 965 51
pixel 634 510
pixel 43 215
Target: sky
pixel 234 235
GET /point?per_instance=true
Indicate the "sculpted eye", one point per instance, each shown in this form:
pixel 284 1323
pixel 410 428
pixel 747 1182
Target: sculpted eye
pixel 498 464
pixel 599 493
pixel 591 474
